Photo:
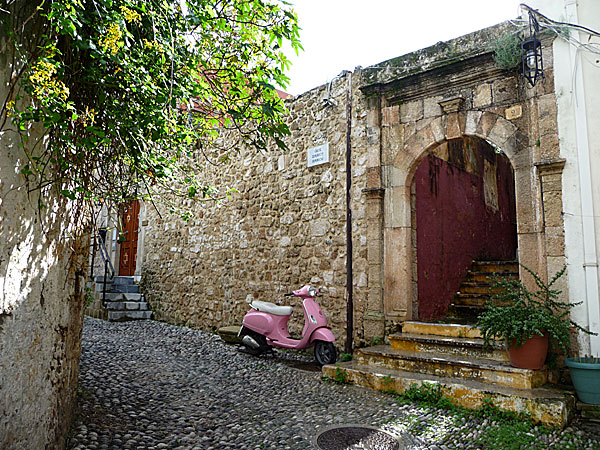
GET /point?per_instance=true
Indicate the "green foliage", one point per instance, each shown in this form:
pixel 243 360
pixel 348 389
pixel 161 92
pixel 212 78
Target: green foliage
pixel 133 93
pixel 376 341
pixel 430 394
pixel 346 357
pixel 340 377
pixel 88 297
pixel 518 313
pixel 507 51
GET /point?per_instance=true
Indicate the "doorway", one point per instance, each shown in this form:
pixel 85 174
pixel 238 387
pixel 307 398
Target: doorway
pixel 465 211
pixel 129 239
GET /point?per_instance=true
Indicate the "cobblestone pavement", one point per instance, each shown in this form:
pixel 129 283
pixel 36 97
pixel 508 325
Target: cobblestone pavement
pixel 150 385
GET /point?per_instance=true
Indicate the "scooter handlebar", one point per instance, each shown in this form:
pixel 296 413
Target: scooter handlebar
pixel 289 294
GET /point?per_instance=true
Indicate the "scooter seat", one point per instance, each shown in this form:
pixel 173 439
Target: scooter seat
pixel 271 308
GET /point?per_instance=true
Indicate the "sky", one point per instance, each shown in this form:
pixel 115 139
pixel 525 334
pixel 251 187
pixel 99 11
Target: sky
pixel 342 34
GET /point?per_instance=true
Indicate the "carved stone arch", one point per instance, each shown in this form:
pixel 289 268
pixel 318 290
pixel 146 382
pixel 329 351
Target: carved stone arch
pixel 399 280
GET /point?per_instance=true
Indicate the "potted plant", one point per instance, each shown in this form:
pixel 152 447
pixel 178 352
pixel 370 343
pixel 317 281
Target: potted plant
pixel 528 320
pixel 585 374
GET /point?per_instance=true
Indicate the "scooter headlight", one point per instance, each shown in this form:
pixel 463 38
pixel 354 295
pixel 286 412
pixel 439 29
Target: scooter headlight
pixel 312 291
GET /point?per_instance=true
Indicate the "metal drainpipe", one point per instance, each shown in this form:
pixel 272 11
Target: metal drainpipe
pixel 349 274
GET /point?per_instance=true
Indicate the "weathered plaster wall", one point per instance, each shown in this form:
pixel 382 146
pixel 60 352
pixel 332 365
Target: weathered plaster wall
pixel 41 283
pixel 285 228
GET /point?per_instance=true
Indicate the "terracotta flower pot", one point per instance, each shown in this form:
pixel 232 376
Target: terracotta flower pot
pixel 530 355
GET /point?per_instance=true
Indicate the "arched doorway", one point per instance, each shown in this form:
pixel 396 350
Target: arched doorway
pixel 464 210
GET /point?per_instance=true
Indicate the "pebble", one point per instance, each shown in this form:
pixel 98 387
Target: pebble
pixel 151 385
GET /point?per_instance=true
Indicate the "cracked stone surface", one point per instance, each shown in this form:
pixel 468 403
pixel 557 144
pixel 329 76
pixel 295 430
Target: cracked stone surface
pixel 151 385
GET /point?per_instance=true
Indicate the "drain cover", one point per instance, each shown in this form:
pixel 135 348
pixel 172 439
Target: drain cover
pixel 356 437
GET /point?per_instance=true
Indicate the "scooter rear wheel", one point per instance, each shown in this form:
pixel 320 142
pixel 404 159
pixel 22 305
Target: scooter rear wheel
pixel 325 353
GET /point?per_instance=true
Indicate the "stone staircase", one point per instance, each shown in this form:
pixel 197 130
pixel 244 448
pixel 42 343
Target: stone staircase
pixel 453 356
pixel 475 290
pixel 123 300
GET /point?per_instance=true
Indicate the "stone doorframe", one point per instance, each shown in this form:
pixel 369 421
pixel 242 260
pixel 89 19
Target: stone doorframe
pixel 395 151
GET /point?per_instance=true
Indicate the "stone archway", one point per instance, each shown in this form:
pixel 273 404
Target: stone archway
pixel 463 206
pixel 400 289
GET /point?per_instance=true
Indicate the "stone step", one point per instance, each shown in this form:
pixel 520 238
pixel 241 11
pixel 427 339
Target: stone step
pixel 469 368
pixel 488 277
pixel 471 299
pixel 125 288
pixel 230 334
pixel 458 346
pixel 121 296
pixel 121 316
pixel 468 287
pixel 466 314
pixel 589 411
pixel 115 280
pixel 495 266
pixel 126 306
pixel 441 329
pixel 545 404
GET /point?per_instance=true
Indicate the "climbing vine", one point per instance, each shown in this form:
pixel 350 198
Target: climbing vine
pixel 132 92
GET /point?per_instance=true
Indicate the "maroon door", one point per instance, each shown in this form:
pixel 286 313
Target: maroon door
pixel 128 252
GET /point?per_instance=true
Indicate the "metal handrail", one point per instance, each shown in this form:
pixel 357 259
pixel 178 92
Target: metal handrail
pixel 107 265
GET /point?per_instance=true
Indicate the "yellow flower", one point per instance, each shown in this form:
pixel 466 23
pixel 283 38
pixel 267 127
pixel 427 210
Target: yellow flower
pixel 130 15
pixel 153 45
pixel 110 42
pixel 10 106
pixel 44 84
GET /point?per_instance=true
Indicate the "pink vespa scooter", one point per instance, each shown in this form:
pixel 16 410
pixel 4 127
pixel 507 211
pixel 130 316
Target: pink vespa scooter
pixel 265 326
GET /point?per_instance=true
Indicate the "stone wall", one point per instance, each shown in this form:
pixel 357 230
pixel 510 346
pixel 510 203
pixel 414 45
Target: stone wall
pixel 286 226
pixel 41 290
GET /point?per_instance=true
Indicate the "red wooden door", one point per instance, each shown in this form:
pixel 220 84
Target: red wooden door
pixel 128 251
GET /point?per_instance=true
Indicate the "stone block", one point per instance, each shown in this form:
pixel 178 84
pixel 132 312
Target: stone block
pixel 555 241
pixel 482 95
pixel 486 123
pixel 549 147
pixel 373 177
pixel 453 128
pixel 504 90
pixel 431 107
pixel 547 114
pixel 318 228
pixel 553 209
pixel 411 111
pixel 472 121
pixel 397 270
pixel 397 207
pixel 392 143
pixel 501 132
pixel 390 116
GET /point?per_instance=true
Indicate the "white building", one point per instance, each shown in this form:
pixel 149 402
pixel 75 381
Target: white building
pixel 577 81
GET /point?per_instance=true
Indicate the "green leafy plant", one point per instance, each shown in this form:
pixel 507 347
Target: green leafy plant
pixel 516 313
pixel 134 95
pixel 430 394
pixel 88 296
pixel 507 51
pixel 340 376
pixel 376 341
pixel 346 357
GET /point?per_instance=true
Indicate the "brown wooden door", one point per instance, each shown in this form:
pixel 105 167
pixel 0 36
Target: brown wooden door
pixel 128 251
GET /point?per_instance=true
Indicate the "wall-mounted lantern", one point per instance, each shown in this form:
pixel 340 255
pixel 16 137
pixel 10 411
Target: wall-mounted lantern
pixel 533 66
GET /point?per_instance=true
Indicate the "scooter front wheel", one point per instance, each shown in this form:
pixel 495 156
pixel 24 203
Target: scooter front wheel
pixel 325 353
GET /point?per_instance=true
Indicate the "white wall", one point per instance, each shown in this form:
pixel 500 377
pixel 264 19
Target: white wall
pixel 577 81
